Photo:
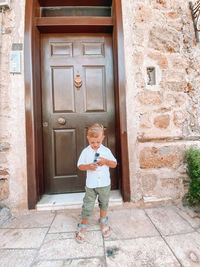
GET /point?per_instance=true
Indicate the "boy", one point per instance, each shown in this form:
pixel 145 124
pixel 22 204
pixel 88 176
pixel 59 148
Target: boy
pixel 96 159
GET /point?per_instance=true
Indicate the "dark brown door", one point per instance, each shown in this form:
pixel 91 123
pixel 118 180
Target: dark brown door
pixel 68 110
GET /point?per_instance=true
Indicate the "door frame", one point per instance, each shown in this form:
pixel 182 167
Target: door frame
pixel 34 25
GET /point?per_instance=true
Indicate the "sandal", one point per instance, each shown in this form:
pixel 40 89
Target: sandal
pixel 80 237
pixel 106 230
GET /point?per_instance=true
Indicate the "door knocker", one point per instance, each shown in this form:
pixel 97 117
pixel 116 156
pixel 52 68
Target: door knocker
pixel 78 82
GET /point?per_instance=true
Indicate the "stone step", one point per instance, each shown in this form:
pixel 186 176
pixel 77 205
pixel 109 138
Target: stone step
pixel 72 201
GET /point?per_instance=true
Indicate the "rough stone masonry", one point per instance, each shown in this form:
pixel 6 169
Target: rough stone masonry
pixel 163 118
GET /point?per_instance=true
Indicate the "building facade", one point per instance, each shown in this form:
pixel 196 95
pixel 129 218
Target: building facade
pixel 158 106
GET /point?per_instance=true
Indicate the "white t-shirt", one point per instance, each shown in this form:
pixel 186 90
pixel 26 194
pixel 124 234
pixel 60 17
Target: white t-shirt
pixel 101 176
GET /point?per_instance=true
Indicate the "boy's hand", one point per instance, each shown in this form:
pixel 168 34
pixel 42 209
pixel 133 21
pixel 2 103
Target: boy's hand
pixel 102 161
pixel 92 166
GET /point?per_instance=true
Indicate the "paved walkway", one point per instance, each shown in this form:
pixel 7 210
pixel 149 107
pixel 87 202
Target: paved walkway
pixel 153 237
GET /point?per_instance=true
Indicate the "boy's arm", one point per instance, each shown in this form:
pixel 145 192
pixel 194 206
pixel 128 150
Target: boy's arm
pixel 109 163
pixel 86 167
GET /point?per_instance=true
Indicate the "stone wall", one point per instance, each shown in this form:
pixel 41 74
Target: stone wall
pixel 163 110
pixel 13 178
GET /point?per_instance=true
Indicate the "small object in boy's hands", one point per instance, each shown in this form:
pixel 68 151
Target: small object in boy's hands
pixel 96 157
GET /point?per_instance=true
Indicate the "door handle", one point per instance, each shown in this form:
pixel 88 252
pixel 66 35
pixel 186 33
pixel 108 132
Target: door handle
pixel 61 121
pixel 45 124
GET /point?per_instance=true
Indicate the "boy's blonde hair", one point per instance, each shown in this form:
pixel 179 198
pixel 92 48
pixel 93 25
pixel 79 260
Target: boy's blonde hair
pixel 95 130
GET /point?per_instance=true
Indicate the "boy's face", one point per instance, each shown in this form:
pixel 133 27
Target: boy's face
pixel 95 142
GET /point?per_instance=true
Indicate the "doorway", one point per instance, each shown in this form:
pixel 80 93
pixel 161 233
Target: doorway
pixel 36 27
pixel 69 108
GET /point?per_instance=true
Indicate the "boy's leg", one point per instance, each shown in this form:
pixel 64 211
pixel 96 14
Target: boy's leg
pixel 103 199
pixel 87 208
pixel 103 214
pixel 88 202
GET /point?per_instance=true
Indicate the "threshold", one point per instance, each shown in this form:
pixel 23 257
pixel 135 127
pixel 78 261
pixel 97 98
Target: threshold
pixel 72 201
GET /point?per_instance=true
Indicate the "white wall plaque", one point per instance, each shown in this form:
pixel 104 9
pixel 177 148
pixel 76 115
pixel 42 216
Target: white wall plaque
pixel 15 61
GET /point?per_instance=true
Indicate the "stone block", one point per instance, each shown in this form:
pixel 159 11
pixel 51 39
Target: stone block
pixel 164 39
pixel 177 61
pixel 179 117
pixel 4 189
pixel 139 34
pixel 161 157
pixel 149 98
pixel 162 121
pixel 158 4
pixel 160 59
pixel 3 172
pixel 4 146
pixel 174 76
pixel 165 4
pixel 163 110
pixel 3 157
pixel 138 58
pixel 161 185
pixel 145 121
pixel 173 15
pixel 143 14
pixel 174 86
pixel 148 183
pixel 171 188
pixel 176 100
pixel 139 79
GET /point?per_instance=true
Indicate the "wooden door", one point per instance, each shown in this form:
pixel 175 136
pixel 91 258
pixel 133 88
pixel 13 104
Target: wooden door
pixel 68 110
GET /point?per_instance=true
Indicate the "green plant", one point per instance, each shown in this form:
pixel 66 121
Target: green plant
pixel 192 160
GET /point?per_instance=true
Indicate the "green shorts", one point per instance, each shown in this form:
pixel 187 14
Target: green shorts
pixel 89 199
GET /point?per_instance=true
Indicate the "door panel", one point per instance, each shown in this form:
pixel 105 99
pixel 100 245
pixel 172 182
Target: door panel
pixel 67 110
pixel 65 162
pixel 95 88
pixel 61 49
pixel 63 91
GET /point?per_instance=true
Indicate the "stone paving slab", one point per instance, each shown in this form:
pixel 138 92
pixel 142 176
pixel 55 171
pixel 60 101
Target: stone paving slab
pixel 57 247
pixel 85 262
pixel 168 221
pixel 4 215
pixel 186 248
pixel 130 223
pixel 193 220
pixel 16 257
pixel 68 222
pixel 48 264
pixel 140 252
pixel 64 223
pixel 22 238
pixel 31 220
pixel 92 262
